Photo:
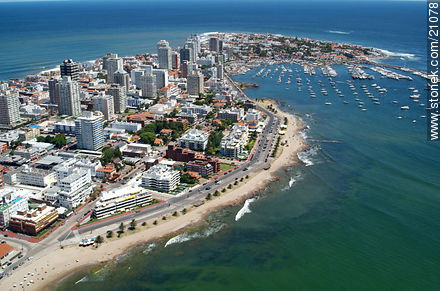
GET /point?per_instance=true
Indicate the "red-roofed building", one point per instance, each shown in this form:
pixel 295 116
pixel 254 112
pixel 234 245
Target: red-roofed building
pixel 5 250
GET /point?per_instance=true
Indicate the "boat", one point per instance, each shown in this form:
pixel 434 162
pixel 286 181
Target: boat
pixel 404 107
pixel 422 116
pixel 345 102
pixel 395 101
pixel 414 121
pixel 376 102
pixel 328 103
pixel 399 117
pixel 364 109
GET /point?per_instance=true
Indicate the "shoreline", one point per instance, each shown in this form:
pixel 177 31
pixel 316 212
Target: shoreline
pixel 55 263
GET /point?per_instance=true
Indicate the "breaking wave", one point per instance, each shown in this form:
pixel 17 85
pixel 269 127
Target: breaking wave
pixel 189 236
pixel 245 209
pixel 338 32
pixel 307 156
pixel 149 248
pixel 394 54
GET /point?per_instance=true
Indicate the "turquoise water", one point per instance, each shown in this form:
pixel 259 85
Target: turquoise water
pixel 364 215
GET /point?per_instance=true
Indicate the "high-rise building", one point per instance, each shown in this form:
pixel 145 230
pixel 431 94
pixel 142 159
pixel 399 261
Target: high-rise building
pixel 175 60
pixel 113 65
pixel 195 83
pixel 89 131
pixel 192 43
pixel 164 55
pixel 105 59
pixel 220 72
pixel 214 44
pixel 105 105
pixel 186 54
pixel 122 78
pixel 54 91
pixel 119 96
pixel 70 68
pixel 161 78
pixel 9 107
pixel 69 97
pixel 184 69
pixel 148 85
pixel 135 76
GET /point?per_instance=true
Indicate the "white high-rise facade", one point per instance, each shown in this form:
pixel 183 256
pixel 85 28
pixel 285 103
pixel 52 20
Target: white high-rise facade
pixel 164 55
pixel 89 131
pixel 119 97
pixel 105 105
pixel 69 97
pixel 148 85
pixel 195 83
pixel 113 65
pixel 9 107
pixel 161 78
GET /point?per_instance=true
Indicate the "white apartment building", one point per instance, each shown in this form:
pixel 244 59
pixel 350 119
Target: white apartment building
pixel 194 139
pixel 75 188
pixel 11 201
pixel 69 95
pixel 161 178
pixel 105 105
pixel 30 176
pixel 9 107
pixel 253 115
pixel 164 55
pixel 89 131
pixel 128 126
pixel 121 200
pixel 233 144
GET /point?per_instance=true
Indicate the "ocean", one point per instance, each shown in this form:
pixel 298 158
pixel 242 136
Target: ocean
pixel 362 210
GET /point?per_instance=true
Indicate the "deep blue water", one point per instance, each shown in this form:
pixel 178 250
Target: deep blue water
pixel 365 213
pixel 39 35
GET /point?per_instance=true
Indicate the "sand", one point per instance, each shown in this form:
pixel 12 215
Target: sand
pixel 55 263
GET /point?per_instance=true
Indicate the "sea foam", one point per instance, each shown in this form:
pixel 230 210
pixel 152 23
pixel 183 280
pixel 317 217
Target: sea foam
pixel 189 236
pixel 307 156
pixel 245 209
pixel 338 32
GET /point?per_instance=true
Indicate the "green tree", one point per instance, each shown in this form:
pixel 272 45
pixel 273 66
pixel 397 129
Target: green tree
pixel 147 137
pixel 109 234
pixel 99 240
pixel 121 227
pixel 133 224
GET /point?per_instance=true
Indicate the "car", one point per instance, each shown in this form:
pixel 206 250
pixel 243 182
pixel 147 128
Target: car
pixel 245 169
pixel 5 235
pixel 15 268
pixel 208 188
pixel 21 264
pixel 8 264
pixel 20 256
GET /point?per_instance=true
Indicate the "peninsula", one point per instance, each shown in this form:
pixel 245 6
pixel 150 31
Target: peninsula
pixel 100 156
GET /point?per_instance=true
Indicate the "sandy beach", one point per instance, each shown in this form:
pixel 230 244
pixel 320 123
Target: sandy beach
pixel 55 263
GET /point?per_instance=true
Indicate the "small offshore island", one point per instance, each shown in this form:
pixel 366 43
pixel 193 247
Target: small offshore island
pixel 104 155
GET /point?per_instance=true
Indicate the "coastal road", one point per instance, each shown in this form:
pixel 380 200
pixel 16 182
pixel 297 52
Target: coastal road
pixel 259 160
